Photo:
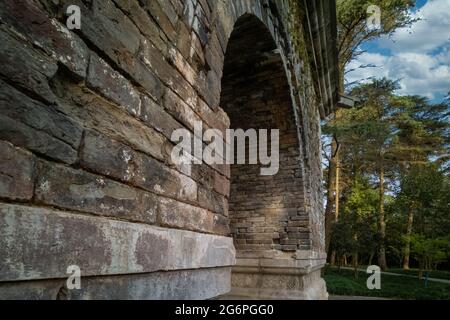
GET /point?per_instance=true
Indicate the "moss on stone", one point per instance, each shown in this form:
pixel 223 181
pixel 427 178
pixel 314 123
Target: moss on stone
pixel 296 30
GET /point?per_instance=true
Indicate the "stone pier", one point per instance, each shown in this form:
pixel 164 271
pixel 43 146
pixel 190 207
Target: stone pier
pixel 86 173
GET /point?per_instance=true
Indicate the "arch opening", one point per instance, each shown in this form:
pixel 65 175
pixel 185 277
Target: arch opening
pixel 266 213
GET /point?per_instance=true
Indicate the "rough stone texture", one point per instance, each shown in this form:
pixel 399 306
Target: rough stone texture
pixel 155 116
pixel 33 125
pixel 112 85
pixel 279 285
pixel 81 191
pixel 86 175
pixel 185 284
pixel 181 215
pixel 114 159
pixel 40 243
pixel 262 206
pixel 26 67
pixel 51 36
pixel 16 172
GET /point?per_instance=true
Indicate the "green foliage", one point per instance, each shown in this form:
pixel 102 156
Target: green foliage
pixel 422 184
pixel 430 252
pixel 427 188
pixel 342 282
pixel 352 31
pixel 404 139
pixel 296 30
pixel 406 136
pixel 422 129
pixel 437 274
pixel 356 230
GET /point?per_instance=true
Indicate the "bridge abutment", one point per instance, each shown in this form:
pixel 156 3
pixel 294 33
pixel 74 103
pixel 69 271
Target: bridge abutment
pixel 86 173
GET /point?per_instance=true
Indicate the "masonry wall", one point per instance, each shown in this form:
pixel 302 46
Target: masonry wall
pixel 266 212
pixel 86 176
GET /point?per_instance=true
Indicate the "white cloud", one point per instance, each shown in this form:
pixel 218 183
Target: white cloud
pixel 419 56
pixel 418 74
pixel 431 32
pixel 444 56
pixel 356 72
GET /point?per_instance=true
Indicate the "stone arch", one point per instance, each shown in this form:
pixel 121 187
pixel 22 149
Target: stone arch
pixel 268 219
pixel 256 94
pixel 230 13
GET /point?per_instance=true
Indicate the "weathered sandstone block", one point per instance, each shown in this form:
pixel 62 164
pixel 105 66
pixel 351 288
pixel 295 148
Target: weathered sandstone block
pixel 39 243
pixel 16 172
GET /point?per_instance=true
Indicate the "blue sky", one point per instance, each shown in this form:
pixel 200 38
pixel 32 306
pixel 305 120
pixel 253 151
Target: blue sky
pixel 417 56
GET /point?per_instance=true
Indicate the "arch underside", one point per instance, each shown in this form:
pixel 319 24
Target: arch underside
pixel 268 221
pixel 256 95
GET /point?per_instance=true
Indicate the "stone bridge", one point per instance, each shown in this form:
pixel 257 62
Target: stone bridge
pixel 86 174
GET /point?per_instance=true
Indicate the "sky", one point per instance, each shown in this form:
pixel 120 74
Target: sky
pixel 417 56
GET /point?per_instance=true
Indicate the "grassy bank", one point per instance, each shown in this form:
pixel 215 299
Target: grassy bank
pixel 438 274
pixel 343 283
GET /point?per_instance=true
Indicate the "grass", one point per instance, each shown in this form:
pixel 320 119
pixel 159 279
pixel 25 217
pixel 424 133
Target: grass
pixel 439 274
pixel 343 283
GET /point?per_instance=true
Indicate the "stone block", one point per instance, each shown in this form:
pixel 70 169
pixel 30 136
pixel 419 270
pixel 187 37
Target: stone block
pixel 181 109
pixel 106 156
pixel 156 117
pixel 112 158
pixel 37 141
pixel 160 13
pixel 26 67
pixel 215 118
pixel 221 225
pixel 110 30
pixel 113 86
pixel 203 174
pixel 170 10
pixel 46 33
pixel 38 127
pixel 212 201
pixel 18 106
pixel 172 285
pixel 101 116
pixel 39 243
pixel 153 176
pixel 71 189
pixel 214 55
pixel 181 215
pixel 221 184
pixel 16 172
pixel 146 25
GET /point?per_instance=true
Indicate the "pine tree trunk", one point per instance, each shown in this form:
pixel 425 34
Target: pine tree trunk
pixel 333 258
pixel 337 189
pixel 330 214
pixel 371 258
pixel 355 264
pixel 407 250
pixel 420 270
pixel 333 184
pixel 382 224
